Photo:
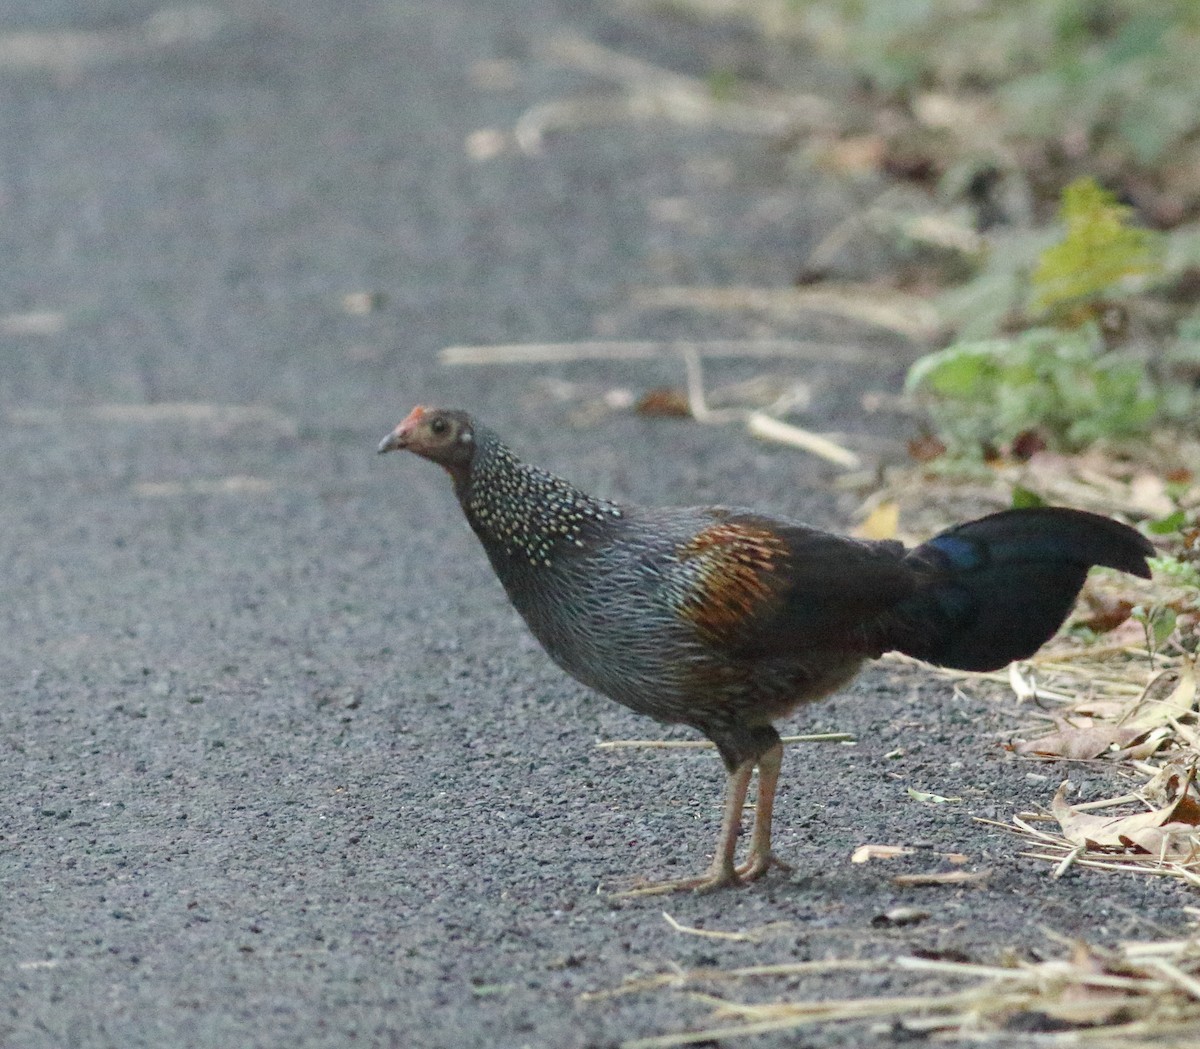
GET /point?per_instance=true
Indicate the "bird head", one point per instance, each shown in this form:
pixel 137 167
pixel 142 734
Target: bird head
pixel 438 434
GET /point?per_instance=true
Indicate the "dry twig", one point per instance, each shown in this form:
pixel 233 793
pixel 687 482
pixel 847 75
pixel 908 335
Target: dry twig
pixel 1147 991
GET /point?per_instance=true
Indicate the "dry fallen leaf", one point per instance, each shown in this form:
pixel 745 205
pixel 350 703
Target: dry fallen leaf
pixel 1101 708
pixel 878 852
pixel 1174 841
pixel 1150 711
pixel 1171 831
pixel 663 401
pixel 925 798
pixel 881 523
pixel 899 916
pixel 1103 611
pixel 1144 748
pixel 1081 742
pixel 1074 1000
pixel 1164 788
pixel 1131 633
pixel 926 448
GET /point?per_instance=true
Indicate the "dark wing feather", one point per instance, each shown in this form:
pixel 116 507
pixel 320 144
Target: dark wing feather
pixel 761 587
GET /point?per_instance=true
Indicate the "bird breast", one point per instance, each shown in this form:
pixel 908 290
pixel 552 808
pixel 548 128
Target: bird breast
pixel 602 613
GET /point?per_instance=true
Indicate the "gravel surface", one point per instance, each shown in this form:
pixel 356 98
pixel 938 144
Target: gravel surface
pixel 280 765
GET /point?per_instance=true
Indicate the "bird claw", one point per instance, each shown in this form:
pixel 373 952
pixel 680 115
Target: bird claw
pixel 705 883
pixel 756 865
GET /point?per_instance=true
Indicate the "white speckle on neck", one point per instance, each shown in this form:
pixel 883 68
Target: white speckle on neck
pixel 525 510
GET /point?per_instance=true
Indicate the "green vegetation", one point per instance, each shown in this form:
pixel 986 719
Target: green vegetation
pixel 1182 532
pixel 1090 108
pixel 1061 382
pixel 1099 255
pixel 1112 80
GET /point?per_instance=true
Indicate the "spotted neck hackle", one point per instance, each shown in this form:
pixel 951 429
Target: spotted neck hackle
pixel 527 512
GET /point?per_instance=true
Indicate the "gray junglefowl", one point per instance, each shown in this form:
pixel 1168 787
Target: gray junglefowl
pixel 727 619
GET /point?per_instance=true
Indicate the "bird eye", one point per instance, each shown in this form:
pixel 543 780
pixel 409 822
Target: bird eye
pixel 438 427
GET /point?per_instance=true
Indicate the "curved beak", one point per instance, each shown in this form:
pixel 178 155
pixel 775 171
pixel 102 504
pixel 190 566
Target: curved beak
pixel 394 441
pixel 403 432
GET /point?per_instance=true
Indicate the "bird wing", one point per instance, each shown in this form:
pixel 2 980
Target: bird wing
pixel 758 587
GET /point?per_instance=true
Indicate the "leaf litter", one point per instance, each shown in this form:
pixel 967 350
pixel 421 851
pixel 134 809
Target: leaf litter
pixel 1154 829
pixel 1136 994
pixel 1130 996
pixel 1119 685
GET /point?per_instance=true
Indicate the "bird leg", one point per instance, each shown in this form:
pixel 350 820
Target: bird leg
pixel 759 859
pixel 721 871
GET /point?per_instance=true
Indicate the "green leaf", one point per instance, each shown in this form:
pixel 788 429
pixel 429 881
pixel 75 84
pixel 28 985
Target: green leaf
pixel 1024 499
pixel 1166 525
pixel 957 371
pixel 1099 251
pixel 1060 383
pixel 1158 622
pixel 1163 624
pixel 1178 573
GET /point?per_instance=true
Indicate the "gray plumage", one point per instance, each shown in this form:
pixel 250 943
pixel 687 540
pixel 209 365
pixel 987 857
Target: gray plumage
pixel 726 619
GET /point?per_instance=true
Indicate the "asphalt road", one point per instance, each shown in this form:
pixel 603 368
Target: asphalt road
pixel 279 765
